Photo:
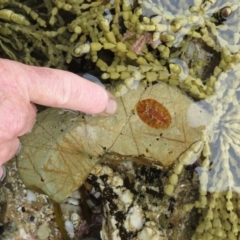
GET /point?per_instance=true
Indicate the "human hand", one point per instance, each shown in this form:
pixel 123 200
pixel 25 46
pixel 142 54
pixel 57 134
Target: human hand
pixel 23 85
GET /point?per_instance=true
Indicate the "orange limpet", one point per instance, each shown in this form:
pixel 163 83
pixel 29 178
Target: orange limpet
pixel 154 114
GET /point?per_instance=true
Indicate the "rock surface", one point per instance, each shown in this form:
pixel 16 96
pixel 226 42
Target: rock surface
pixel 61 150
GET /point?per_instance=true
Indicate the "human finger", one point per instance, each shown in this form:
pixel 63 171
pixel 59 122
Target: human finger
pixel 8 150
pixel 58 88
pixel 17 117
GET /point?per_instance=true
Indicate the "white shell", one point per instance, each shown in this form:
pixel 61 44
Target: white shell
pixel 73 201
pixel 135 219
pixel 31 197
pixel 69 227
pixel 75 219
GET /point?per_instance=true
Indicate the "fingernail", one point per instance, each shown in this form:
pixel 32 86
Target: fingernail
pixel 111 106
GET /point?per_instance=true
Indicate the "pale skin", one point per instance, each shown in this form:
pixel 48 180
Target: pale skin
pixel 22 86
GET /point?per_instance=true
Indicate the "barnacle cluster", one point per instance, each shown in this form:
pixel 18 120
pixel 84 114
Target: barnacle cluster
pixel 190 44
pixel 134 204
pixel 124 216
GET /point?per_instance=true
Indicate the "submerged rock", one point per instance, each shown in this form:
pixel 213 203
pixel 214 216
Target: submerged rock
pixel 59 153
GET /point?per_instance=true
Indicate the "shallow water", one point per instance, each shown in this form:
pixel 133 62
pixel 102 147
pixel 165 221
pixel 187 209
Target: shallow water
pixel 198 52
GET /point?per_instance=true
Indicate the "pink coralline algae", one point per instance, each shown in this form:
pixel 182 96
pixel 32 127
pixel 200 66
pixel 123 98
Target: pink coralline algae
pixel 145 38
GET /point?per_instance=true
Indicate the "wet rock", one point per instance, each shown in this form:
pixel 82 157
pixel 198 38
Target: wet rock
pixel 63 147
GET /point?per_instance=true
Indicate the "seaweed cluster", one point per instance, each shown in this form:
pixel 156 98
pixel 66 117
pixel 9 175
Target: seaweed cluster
pixel 187 44
pixel 218 168
pixel 219 172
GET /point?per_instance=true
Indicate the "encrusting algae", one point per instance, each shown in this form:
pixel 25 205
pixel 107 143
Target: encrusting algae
pixel 193 45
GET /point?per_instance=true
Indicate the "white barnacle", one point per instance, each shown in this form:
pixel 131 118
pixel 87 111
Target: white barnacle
pixel 75 219
pixel 72 201
pixel 117 181
pixel 70 228
pixel 126 197
pixel 134 219
pixel 107 171
pixel 150 231
pixel 31 196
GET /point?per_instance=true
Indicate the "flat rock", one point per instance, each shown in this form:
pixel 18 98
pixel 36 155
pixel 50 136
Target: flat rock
pixel 59 153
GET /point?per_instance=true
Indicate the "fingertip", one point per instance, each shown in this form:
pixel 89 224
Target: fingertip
pixel 62 89
pixel 9 150
pixel 58 88
pixel 111 107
